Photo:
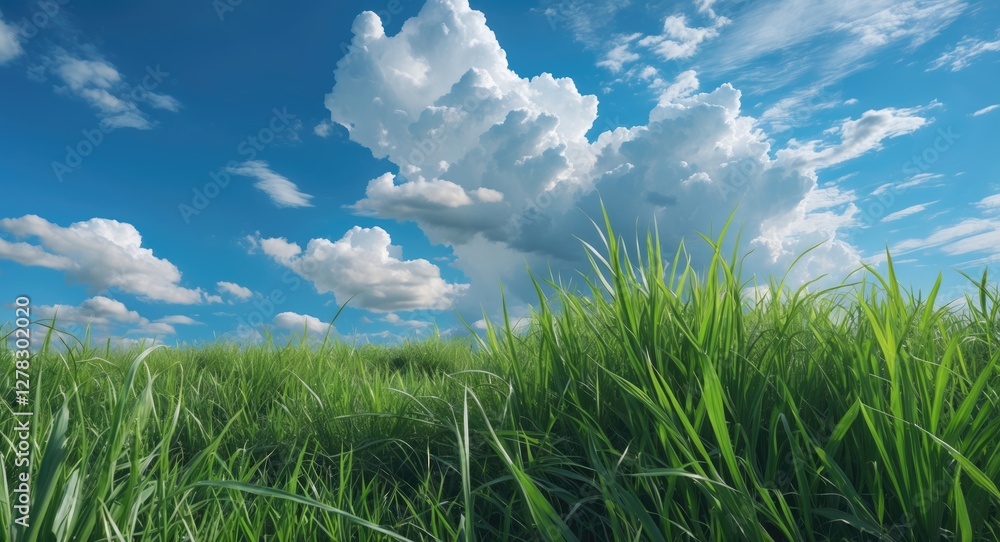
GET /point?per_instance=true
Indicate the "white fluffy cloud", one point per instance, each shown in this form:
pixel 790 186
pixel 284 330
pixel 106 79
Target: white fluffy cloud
pixel 365 264
pixel 100 84
pixel 679 40
pixel 298 322
pixel 964 53
pixel 323 129
pixel 99 253
pixel 240 292
pixel 283 193
pixel 103 313
pixel 446 209
pixel 440 102
pixel 10 42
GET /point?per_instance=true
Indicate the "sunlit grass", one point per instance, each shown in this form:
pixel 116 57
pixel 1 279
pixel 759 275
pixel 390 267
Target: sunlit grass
pixel 662 404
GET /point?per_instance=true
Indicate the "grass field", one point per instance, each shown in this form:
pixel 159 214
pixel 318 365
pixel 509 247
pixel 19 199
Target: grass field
pixel 662 405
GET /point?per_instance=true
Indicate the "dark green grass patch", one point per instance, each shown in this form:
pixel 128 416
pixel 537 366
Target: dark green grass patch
pixel 662 404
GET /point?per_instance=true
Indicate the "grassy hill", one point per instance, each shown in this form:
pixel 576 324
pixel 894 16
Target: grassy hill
pixel 662 405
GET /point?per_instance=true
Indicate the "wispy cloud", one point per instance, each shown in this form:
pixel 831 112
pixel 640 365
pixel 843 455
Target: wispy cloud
pixel 90 77
pixel 621 52
pixel 283 193
pixel 964 53
pixel 587 19
pixel 857 137
pixel 772 44
pixel 10 43
pixel 986 110
pixel 990 204
pixel 919 179
pixel 909 211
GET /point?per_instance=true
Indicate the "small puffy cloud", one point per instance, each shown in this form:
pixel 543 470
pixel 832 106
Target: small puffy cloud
pixel 283 193
pixel 323 129
pixel 10 42
pixel 99 253
pixel 105 314
pixel 396 320
pixel 679 40
pixel 986 110
pixel 178 320
pixel 964 53
pixel 99 83
pixel 297 322
pixel 235 290
pixel 365 264
pixel 98 310
pixel 909 211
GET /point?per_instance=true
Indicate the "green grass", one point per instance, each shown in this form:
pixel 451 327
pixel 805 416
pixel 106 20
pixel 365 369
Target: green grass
pixel 664 404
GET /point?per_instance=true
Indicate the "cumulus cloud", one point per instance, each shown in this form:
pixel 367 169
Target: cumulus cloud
pixel 99 253
pixel 105 313
pixel 442 206
pixel 10 42
pixel 298 322
pixel 98 82
pixel 240 292
pixel 283 193
pixel 439 101
pixel 365 264
pixel 964 54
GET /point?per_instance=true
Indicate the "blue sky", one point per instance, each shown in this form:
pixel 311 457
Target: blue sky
pixel 204 169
